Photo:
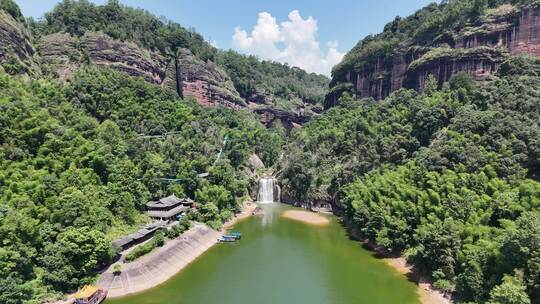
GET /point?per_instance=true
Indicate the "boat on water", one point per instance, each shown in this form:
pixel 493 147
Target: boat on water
pixel 238 235
pixel 90 294
pixel 225 239
pixel 230 238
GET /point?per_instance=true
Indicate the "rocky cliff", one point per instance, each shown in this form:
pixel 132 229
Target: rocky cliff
pixel 16 50
pixel 476 50
pixel 161 52
pixel 204 81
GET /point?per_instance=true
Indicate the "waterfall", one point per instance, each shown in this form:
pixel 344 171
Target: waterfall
pixel 266 190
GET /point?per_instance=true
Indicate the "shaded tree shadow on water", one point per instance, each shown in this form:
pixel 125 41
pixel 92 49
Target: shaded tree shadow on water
pixel 413 275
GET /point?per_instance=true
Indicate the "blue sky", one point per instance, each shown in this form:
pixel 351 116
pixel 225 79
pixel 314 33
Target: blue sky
pixel 334 28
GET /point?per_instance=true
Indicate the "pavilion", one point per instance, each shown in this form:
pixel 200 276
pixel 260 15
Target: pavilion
pixel 168 208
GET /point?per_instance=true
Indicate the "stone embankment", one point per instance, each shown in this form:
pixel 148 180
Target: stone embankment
pixel 161 264
pixel 158 266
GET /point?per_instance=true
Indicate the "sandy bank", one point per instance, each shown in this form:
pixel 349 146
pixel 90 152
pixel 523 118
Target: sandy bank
pixel 428 294
pixel 308 217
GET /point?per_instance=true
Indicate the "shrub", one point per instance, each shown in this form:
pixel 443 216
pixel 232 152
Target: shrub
pixel 11 8
pixel 226 215
pixel 140 251
pixel 159 238
pixel 157 241
pixel 177 230
pixel 117 269
pixel 215 224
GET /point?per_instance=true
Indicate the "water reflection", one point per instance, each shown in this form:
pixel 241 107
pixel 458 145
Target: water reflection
pixel 270 213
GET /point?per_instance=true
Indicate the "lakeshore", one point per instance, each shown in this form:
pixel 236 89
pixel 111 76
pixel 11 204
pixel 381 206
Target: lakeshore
pixel 302 263
pixel 427 293
pixel 164 262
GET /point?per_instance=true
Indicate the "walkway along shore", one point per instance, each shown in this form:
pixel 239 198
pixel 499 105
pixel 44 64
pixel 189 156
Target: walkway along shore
pixel 164 262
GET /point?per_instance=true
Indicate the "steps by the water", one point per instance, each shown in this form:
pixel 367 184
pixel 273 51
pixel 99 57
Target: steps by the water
pixel 158 266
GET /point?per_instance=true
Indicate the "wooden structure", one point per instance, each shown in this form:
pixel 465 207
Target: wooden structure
pixel 168 208
pixel 140 236
pixel 90 294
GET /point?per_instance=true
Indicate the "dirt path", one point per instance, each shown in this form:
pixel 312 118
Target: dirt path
pixel 428 295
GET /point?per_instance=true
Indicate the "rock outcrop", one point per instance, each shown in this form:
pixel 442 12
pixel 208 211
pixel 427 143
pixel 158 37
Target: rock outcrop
pixel 289 119
pixel 477 51
pixel 204 81
pixel 16 50
pixel 61 54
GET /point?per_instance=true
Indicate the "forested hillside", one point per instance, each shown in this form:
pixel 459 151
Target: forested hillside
pixel 76 33
pixel 446 174
pixel 99 103
pixel 447 178
pixel 75 172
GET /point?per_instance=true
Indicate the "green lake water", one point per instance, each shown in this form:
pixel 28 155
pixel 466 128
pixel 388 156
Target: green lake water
pixel 283 261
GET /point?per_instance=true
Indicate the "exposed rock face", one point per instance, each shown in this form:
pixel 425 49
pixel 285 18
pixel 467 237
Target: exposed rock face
pixel 479 62
pixel 124 56
pixel 255 162
pixel 289 119
pixel 477 51
pixel 205 82
pixel 15 47
pixel 518 31
pixel 62 54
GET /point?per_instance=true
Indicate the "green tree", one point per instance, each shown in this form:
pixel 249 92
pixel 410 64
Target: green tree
pixel 511 291
pixel 73 256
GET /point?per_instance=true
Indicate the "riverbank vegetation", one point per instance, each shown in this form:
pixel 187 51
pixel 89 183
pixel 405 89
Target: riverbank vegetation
pixel 447 178
pixel 158 239
pixel 74 166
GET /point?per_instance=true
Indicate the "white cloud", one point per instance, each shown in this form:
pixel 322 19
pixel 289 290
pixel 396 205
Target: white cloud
pixel 293 41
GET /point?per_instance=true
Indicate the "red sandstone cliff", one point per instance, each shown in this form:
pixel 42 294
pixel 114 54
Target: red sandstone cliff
pixel 477 51
pixel 204 81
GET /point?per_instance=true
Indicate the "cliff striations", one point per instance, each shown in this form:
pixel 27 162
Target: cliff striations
pixel 160 51
pixel 380 65
pixel 205 82
pixel 16 50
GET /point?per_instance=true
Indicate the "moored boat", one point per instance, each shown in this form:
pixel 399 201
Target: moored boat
pixel 90 294
pixel 225 239
pixel 238 235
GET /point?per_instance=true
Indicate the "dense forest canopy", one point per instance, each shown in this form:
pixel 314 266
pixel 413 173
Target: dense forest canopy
pixel 448 178
pixel 75 172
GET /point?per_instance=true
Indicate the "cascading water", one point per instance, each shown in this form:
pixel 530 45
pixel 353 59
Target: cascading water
pixel 266 190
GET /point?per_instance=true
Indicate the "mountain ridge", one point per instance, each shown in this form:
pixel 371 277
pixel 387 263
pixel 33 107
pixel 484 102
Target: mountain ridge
pixel 78 33
pixel 440 40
